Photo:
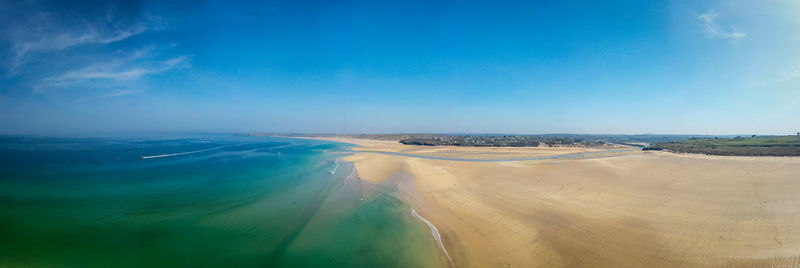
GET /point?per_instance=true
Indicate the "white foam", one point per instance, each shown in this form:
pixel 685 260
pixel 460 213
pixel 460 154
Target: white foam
pixel 435 234
pixel 332 171
pixel 183 153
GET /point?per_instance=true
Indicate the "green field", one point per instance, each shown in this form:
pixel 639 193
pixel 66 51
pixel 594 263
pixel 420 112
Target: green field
pixel 752 146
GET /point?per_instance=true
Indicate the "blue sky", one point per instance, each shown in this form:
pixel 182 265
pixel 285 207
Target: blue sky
pixel 681 67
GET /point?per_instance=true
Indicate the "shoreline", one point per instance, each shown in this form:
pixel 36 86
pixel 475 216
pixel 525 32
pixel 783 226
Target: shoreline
pixel 420 204
pixel 569 155
pixel 403 182
pixel 436 235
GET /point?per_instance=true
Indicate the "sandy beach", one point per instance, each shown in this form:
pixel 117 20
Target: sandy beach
pixel 631 209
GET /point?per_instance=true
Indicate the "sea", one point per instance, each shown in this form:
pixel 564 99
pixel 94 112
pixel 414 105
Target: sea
pixel 199 201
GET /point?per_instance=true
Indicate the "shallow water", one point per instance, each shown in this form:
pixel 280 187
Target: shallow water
pixel 205 201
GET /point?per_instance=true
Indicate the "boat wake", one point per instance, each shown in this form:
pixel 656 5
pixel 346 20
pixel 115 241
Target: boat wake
pixel 183 153
pixel 435 234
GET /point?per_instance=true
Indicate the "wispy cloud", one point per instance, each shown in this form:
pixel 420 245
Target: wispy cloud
pixel 106 96
pixel 788 76
pixel 82 47
pixel 89 34
pixel 64 39
pixel 34 32
pixel 117 70
pixel 715 30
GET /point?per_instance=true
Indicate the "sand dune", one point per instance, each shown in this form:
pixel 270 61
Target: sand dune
pixel 631 209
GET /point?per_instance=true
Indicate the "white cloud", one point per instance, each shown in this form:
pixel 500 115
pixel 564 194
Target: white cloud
pixel 714 30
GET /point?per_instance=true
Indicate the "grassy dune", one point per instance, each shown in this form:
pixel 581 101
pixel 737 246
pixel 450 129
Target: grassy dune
pixel 756 146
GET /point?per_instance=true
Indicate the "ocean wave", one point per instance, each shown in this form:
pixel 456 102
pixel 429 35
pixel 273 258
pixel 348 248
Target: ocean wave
pixel 435 234
pixel 333 171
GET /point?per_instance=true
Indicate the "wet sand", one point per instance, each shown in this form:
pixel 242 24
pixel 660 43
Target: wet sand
pixel 485 153
pixel 632 209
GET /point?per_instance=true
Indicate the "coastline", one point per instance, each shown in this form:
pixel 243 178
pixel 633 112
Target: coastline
pixel 620 209
pixel 382 162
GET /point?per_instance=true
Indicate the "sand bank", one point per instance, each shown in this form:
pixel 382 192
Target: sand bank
pixel 635 209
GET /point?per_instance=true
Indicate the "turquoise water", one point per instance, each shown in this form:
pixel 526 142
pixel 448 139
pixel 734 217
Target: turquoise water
pixel 200 201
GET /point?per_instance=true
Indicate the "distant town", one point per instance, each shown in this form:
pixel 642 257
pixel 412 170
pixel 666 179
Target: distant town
pixel 498 141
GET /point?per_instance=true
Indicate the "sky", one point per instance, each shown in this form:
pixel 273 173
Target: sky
pixel 517 67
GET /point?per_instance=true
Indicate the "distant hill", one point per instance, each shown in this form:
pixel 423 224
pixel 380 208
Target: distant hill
pixel 737 146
